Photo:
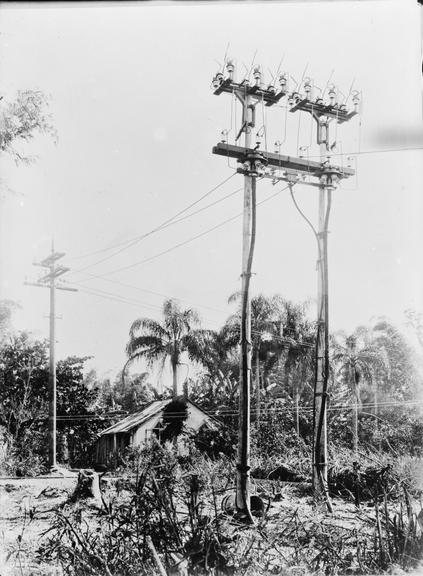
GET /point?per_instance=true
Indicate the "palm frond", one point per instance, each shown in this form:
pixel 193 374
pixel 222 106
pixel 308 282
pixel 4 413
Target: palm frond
pixel 145 346
pixel 190 318
pixel 235 297
pixel 148 326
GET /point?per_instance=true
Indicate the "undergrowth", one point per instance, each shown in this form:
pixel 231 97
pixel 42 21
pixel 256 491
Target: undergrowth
pixel 165 516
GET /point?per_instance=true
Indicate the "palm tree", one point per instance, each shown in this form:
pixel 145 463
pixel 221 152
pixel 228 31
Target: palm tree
pixel 296 344
pixel 211 349
pixel 158 342
pixel 402 380
pixel 265 313
pixel 356 358
pixel 281 336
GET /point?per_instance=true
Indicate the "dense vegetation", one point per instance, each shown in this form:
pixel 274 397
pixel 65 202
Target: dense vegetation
pixel 374 388
pixel 179 503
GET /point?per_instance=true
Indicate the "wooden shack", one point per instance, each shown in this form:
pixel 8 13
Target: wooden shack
pixel 137 428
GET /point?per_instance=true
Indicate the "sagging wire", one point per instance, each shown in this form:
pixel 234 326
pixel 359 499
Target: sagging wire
pixel 181 219
pixel 128 243
pixel 176 246
pixel 290 186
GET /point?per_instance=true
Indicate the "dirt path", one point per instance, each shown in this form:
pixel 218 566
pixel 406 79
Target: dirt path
pixel 21 498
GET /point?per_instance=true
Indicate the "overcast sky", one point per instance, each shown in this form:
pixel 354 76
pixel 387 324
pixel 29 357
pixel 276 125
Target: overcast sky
pixel 136 118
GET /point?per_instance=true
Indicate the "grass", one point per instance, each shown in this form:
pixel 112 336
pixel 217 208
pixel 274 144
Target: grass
pixel 170 514
pixel 165 512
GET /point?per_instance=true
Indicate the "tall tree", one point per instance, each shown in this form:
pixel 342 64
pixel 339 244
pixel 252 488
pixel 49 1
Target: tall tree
pixel 403 381
pixel 282 338
pixel 216 351
pixel 159 342
pixel 23 386
pixel 357 359
pixel 24 399
pixel 213 350
pixel 265 312
pixel 128 394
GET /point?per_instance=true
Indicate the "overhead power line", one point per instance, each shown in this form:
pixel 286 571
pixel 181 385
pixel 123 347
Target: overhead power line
pixel 373 151
pixel 140 289
pixel 185 242
pixel 127 244
pixel 133 302
pixel 117 298
pixel 229 412
pixel 88 266
pixel 131 241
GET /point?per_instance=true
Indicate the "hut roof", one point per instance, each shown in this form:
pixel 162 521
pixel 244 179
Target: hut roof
pixel 137 418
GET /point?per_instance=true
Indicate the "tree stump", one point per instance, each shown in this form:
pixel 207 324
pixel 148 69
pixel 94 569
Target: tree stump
pixel 87 488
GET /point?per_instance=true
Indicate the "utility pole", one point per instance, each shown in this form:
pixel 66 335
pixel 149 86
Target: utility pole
pixel 251 161
pixel 323 113
pixel 278 167
pixel 49 281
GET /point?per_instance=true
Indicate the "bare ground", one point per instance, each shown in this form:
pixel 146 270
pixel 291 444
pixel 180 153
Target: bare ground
pixel 20 537
pixel 21 534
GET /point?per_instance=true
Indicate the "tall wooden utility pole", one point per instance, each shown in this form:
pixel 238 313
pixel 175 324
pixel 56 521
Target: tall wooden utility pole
pixel 49 281
pixel 320 477
pixel 323 113
pixel 248 95
pixel 248 241
pixel 286 168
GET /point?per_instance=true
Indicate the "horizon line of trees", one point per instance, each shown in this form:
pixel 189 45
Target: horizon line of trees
pixel 374 374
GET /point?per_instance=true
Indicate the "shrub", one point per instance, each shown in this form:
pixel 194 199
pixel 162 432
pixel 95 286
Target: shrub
pixel 169 512
pixel 215 443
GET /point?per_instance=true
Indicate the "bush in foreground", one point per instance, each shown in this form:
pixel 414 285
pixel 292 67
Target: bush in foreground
pixel 166 515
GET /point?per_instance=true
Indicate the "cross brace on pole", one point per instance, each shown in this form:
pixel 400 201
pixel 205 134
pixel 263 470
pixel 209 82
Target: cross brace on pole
pixel 300 165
